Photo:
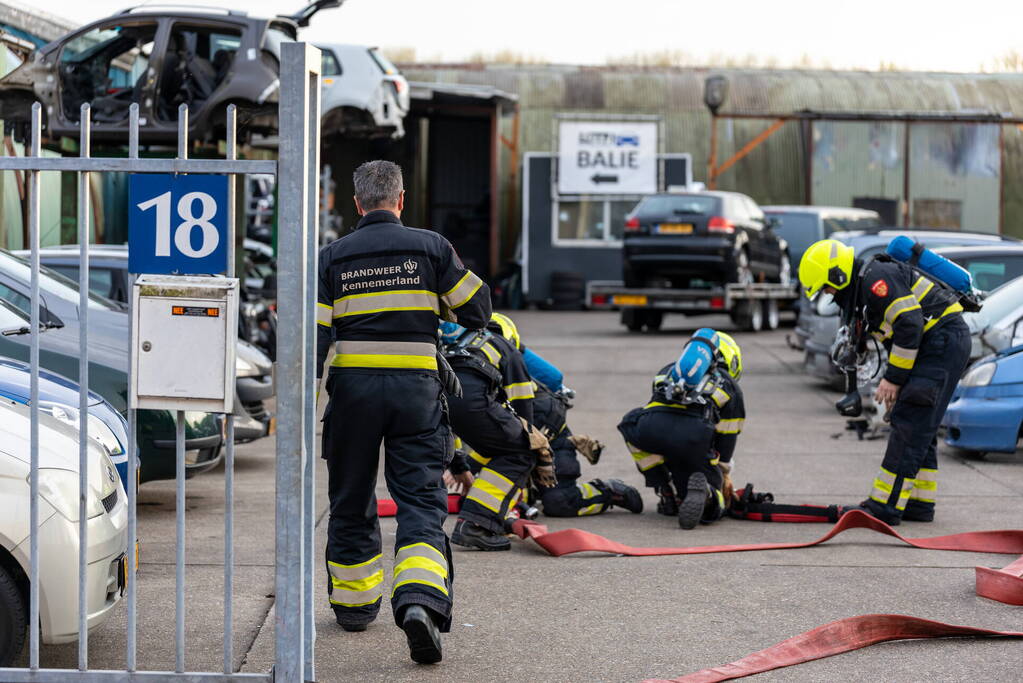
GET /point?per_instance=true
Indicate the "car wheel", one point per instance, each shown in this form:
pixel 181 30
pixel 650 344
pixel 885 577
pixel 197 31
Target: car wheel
pixel 743 273
pixel 13 619
pixel 771 315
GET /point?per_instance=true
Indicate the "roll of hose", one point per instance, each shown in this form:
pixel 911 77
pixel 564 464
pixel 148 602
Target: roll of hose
pixel 543 371
pixel 902 248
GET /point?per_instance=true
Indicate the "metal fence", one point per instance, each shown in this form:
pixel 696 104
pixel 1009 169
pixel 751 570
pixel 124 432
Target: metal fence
pixel 297 171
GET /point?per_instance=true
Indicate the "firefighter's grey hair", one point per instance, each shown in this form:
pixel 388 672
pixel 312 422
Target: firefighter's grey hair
pixel 377 184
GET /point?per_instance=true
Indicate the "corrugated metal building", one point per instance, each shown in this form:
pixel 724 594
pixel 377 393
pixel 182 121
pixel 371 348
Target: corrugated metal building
pixel 957 177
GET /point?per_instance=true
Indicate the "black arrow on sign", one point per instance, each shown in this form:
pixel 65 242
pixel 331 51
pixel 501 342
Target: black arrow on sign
pixel 598 179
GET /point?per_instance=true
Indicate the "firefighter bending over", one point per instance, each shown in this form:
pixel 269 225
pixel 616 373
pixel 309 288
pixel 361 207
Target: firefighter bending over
pixel 919 322
pixel 683 440
pixel 382 289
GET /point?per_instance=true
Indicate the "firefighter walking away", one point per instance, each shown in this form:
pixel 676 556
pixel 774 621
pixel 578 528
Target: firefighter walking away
pixel 382 291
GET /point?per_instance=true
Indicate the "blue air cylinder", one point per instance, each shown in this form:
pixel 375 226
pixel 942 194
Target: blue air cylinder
pixel 543 371
pixel 697 358
pixel 952 274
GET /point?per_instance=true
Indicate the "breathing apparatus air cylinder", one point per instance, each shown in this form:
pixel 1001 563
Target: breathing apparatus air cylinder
pixel 697 359
pixel 936 267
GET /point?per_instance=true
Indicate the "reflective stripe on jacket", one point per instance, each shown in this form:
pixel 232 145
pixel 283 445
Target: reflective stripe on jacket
pixel 382 289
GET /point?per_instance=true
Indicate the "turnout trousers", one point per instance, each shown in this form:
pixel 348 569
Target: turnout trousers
pixel 908 480
pixel 571 497
pixel 668 445
pixel 405 411
pixel 495 432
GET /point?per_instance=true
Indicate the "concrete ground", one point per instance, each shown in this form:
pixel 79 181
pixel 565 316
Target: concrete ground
pixel 523 615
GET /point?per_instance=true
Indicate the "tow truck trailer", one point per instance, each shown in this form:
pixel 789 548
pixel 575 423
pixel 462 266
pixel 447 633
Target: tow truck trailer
pixel 752 307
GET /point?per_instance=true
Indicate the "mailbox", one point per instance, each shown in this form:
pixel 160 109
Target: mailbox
pixel 184 332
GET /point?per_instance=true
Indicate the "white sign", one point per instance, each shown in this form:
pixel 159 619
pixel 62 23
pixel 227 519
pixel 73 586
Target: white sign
pixel 607 157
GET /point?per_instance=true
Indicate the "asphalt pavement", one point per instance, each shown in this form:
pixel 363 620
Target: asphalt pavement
pixel 522 615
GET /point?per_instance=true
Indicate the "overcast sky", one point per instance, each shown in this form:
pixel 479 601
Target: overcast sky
pixel 938 35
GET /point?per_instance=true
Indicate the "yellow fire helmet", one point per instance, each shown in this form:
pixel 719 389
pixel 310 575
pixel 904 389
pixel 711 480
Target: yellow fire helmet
pixel 732 355
pixel 827 263
pixel 506 327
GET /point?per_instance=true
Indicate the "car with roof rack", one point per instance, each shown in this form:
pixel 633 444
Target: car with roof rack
pixel 158 57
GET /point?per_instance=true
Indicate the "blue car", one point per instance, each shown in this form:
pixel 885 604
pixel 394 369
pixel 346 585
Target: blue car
pixel 986 411
pixel 58 396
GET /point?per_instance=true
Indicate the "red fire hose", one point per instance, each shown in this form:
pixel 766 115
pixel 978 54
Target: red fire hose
pixel 1003 585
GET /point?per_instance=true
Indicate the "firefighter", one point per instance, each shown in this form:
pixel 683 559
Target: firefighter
pixel 570 497
pixel 919 322
pixel 684 439
pixel 494 417
pixel 381 291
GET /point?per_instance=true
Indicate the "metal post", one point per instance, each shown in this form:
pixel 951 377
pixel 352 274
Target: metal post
pixel 712 158
pixel 33 239
pixel 309 409
pixel 297 61
pixel 906 149
pixel 232 154
pixel 133 457
pixel 83 392
pixel 179 478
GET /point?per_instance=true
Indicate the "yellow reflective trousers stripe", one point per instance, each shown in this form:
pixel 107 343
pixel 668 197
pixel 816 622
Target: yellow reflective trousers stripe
pixel 644 461
pixel 420 563
pixel 883 486
pixel 355 585
pixel 925 486
pixel 490 489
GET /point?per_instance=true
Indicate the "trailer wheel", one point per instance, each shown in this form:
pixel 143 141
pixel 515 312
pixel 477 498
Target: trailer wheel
pixel 771 315
pixel 654 318
pixel 749 315
pixel 632 319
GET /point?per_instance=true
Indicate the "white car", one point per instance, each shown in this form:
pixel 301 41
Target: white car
pixel 362 92
pixel 107 507
pixel 999 323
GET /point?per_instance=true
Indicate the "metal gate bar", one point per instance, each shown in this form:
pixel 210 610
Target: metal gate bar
pixel 294 623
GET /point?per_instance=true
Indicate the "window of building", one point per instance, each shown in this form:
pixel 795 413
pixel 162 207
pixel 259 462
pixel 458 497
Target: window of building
pixel 591 220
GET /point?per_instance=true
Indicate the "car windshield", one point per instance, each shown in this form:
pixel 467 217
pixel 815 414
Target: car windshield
pixel 52 282
pixel 383 62
pixel 681 204
pixel 799 229
pixel 999 304
pixel 11 317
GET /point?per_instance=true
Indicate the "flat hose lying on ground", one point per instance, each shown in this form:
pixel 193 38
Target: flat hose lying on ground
pixel 1003 585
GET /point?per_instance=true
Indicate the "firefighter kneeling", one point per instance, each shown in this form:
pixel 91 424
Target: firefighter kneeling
pixel 684 438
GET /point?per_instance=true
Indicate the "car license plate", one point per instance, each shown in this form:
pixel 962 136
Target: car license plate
pixel 629 300
pixel 675 228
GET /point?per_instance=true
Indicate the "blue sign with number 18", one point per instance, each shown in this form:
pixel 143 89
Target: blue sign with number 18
pixel 177 224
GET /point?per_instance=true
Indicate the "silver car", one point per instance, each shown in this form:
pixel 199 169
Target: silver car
pixel 363 93
pixel 818 323
pixel 999 324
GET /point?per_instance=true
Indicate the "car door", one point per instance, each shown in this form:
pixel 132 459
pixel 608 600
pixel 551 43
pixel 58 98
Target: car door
pixel 754 219
pixel 110 65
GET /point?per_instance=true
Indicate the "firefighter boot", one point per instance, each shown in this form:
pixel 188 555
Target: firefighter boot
pixel 622 495
pixel 918 511
pixel 472 535
pixel 667 503
pixel 690 510
pixel 715 507
pixel 422 634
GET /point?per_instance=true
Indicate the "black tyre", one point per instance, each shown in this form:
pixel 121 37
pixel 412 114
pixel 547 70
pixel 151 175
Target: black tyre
pixel 632 318
pixel 567 290
pixel 13 619
pixel 654 319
